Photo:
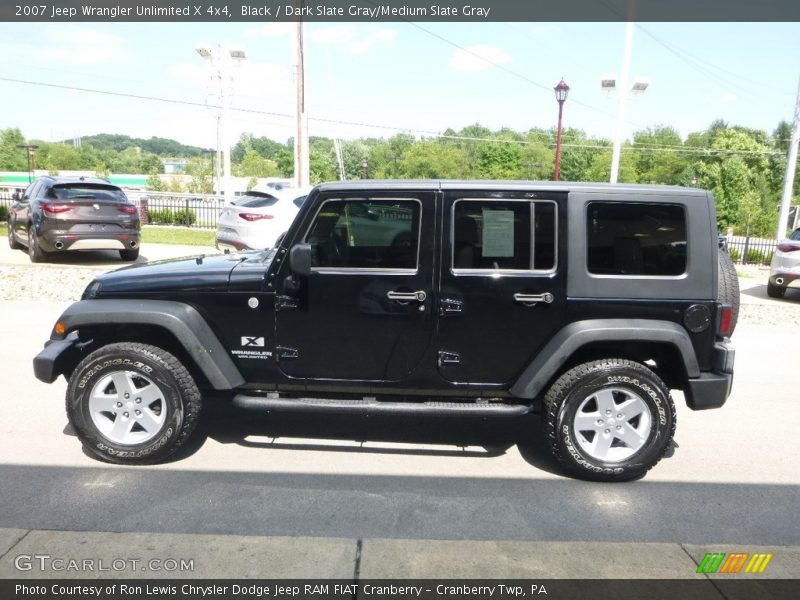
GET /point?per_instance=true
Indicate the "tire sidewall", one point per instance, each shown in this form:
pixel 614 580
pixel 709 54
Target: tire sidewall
pixel 86 376
pixel 652 394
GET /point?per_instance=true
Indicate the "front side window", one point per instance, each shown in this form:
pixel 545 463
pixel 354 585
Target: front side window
pixel 366 233
pixel 515 235
pixel 636 239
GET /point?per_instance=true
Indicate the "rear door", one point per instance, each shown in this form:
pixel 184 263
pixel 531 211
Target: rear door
pixel 503 282
pixel 364 313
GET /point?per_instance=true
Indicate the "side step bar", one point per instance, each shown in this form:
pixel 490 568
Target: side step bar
pixel 372 406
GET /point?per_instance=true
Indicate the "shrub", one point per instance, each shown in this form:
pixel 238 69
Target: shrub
pixel 184 217
pixel 167 216
pixel 756 256
pixel 3 213
pixel 734 254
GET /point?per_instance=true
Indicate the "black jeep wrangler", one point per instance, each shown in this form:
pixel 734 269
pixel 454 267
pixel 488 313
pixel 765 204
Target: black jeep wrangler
pixel 584 302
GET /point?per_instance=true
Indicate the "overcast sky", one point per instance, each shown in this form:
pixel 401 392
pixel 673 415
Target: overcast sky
pixel 393 77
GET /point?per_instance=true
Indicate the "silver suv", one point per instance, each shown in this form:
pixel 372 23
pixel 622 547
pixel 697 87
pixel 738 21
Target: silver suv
pixel 784 270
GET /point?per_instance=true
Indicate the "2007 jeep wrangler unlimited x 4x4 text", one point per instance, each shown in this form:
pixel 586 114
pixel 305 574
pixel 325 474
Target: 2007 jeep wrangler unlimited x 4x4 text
pixel 585 302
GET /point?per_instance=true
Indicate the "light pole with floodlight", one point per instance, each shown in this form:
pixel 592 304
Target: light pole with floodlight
pixel 561 90
pixel 221 62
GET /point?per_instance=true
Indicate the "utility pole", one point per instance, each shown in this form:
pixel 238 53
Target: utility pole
pixel 788 184
pixel 301 170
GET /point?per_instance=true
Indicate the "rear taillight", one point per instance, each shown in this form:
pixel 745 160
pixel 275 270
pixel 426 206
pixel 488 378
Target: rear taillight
pixel 789 246
pixel 128 210
pixel 253 216
pixel 54 209
pixel 725 320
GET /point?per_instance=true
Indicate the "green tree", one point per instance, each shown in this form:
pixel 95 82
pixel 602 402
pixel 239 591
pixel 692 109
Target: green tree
pixel 657 157
pixel 201 176
pixel 11 157
pixel 499 160
pixel 254 164
pixel 154 182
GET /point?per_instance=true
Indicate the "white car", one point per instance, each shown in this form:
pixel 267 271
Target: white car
pixel 784 270
pixel 258 218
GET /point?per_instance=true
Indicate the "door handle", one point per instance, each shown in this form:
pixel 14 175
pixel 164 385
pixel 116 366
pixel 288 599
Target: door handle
pixel 547 298
pixel 419 296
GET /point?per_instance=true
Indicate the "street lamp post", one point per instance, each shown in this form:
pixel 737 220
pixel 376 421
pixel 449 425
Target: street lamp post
pixel 561 90
pixel 31 149
pixel 221 61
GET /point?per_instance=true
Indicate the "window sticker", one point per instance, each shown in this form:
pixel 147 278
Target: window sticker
pixel 498 232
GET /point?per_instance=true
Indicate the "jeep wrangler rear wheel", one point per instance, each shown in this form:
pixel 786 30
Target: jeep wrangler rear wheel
pixel 609 420
pixel 132 403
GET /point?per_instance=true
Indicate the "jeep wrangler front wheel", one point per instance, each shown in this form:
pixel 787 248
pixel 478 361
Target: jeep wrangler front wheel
pixel 132 403
pixel 609 420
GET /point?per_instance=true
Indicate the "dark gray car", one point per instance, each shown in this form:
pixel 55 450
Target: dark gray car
pixel 59 214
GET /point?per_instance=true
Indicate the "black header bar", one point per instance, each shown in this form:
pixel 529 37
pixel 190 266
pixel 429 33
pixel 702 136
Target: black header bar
pixel 383 11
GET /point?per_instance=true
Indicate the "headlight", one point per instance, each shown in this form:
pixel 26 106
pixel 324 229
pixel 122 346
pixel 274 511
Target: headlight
pixel 91 290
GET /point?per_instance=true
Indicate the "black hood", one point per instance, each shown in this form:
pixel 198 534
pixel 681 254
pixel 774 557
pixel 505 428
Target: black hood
pixel 191 274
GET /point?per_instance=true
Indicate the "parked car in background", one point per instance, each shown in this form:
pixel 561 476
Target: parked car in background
pixel 256 220
pixel 62 214
pixel 784 270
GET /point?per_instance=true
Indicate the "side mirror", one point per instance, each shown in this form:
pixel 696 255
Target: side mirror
pixel 300 259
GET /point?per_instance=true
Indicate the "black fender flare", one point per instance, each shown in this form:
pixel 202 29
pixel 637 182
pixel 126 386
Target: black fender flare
pixel 572 337
pixel 182 320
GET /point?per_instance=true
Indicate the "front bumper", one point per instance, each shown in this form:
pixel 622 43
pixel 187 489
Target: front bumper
pixel 57 357
pixel 712 388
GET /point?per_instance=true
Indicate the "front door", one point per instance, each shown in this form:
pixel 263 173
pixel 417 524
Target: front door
pixel 503 282
pixel 364 313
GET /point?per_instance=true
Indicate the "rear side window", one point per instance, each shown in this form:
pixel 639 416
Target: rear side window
pixel 504 235
pixel 83 191
pixel 366 233
pixel 636 239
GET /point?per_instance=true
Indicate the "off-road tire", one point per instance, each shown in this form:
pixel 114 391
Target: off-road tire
pixel 568 392
pixel 728 286
pixel 35 253
pixel 181 401
pixel 12 241
pixel 775 291
pixel 129 255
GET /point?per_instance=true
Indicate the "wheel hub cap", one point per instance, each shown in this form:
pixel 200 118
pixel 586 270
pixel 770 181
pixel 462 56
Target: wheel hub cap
pixel 127 407
pixel 612 424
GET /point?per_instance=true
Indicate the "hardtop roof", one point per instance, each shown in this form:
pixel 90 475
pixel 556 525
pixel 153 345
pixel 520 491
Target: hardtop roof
pixel 504 185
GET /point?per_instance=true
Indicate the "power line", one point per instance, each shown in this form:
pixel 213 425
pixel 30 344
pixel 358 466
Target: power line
pixel 700 59
pixel 638 147
pixel 506 69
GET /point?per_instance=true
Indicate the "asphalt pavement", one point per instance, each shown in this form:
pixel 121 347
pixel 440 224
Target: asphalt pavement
pixel 312 496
